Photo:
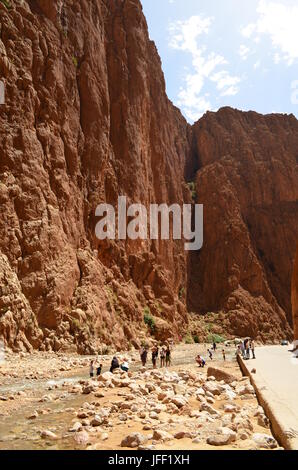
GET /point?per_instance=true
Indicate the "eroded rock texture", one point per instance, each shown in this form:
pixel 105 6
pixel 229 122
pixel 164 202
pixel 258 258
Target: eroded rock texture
pixel 248 183
pixel 87 119
pixel 295 297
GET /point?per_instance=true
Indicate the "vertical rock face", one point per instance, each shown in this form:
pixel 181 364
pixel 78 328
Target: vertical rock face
pixel 295 298
pixel 86 120
pixel 248 183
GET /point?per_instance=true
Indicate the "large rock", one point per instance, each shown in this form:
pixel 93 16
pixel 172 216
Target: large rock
pixel 224 436
pixel 263 441
pixel 134 440
pixel 221 374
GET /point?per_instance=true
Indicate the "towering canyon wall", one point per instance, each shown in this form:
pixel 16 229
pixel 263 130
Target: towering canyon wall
pixel 295 298
pixel 247 179
pixel 87 119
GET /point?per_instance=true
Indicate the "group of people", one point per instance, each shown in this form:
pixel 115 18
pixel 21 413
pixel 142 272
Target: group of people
pixel 96 368
pixel 245 348
pixel 201 361
pixel 164 353
pixel 212 350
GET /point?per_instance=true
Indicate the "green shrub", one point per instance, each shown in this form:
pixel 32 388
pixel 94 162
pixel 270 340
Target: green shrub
pixel 192 188
pixel 75 325
pixel 181 292
pixel 188 339
pixel 75 61
pixel 6 3
pixel 213 338
pixel 196 339
pixel 149 320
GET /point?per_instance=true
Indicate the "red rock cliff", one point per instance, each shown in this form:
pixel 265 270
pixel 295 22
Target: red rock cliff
pixel 295 297
pixel 247 181
pixel 87 119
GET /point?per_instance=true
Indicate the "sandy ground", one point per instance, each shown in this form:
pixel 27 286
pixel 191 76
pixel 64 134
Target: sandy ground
pixel 43 391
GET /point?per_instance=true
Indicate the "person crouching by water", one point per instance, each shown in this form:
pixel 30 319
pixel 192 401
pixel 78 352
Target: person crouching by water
pixel 125 366
pixel 91 369
pixel 114 364
pixel 201 361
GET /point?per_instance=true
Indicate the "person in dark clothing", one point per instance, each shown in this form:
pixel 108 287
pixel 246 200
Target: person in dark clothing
pixel 214 346
pixel 98 370
pixel 168 356
pixel 115 364
pixel 143 355
pixel 252 347
pixel 91 369
pixel 154 356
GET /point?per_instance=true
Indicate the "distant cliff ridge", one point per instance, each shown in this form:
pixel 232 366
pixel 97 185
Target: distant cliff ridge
pixel 87 119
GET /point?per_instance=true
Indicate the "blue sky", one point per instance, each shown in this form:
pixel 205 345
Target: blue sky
pixel 235 53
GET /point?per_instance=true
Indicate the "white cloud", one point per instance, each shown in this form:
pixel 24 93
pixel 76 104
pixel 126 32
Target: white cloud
pixel 184 36
pixel 226 83
pixel 278 21
pixel 244 52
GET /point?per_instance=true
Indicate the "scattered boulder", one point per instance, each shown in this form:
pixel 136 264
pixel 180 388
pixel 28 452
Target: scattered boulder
pixel 163 436
pixel 134 440
pixel 48 435
pixel 264 441
pixel 220 374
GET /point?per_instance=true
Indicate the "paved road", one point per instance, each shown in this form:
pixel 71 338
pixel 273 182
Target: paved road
pixel 277 381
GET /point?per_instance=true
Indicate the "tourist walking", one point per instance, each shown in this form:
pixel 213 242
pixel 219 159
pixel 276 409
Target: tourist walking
pixel 154 356
pixel 214 346
pixel 98 370
pixel 162 357
pixel 168 357
pixel 143 355
pixel 223 354
pixel 91 371
pixel 210 354
pixel 246 349
pixel 252 347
